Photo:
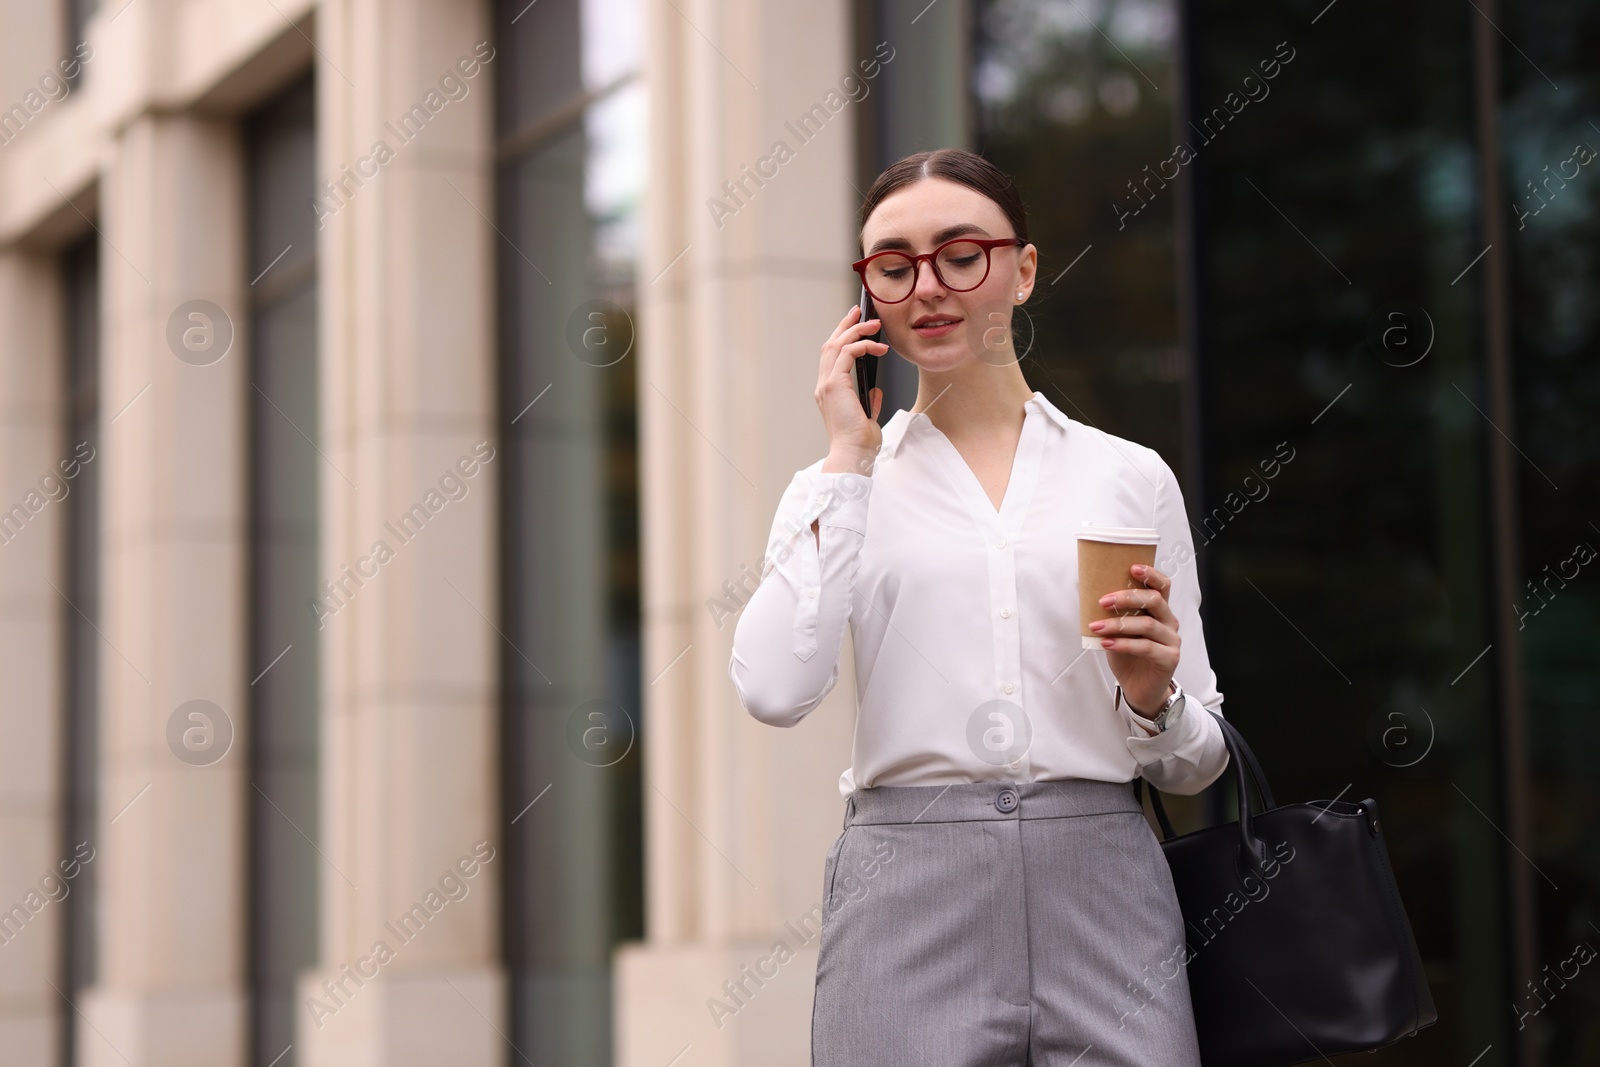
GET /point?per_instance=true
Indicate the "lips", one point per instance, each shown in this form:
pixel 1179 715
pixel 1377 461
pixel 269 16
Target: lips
pixel 935 325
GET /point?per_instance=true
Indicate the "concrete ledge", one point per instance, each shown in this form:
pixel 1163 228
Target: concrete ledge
pixel 182 1028
pixel 747 1004
pixel 417 1019
pixel 32 1038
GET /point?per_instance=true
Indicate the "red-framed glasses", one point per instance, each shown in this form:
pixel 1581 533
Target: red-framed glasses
pixel 960 265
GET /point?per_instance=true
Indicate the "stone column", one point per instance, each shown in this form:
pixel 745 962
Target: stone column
pixel 410 974
pixel 30 610
pixel 31 621
pixel 739 815
pixel 170 988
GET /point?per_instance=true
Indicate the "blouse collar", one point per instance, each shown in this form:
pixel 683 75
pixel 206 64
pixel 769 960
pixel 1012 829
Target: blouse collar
pixel 894 431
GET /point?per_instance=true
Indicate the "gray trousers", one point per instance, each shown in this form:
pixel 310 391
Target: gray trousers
pixel 1000 924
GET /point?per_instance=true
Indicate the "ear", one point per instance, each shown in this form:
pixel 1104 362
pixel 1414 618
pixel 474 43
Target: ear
pixel 1027 272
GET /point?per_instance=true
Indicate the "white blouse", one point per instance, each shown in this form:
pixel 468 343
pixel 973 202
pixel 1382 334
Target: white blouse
pixel 964 672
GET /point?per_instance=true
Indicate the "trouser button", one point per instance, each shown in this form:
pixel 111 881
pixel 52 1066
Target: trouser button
pixel 1006 800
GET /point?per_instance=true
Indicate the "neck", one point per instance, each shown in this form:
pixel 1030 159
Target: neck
pixel 976 398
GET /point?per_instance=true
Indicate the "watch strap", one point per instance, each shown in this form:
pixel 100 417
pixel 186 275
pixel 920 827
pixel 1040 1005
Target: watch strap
pixel 1170 708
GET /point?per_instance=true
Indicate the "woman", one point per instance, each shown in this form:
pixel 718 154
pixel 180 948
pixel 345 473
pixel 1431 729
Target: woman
pixel 996 896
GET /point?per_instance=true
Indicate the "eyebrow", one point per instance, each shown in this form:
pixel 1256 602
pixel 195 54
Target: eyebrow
pixel 938 239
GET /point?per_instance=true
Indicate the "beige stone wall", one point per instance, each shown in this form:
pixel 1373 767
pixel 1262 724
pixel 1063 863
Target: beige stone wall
pixel 171 965
pixel 31 617
pixel 739 816
pixel 147 150
pixel 410 739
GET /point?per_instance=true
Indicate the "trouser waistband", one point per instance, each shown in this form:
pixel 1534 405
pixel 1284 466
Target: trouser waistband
pixel 1054 798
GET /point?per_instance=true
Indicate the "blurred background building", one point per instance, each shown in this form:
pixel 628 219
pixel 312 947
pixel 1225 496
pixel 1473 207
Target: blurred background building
pixel 394 399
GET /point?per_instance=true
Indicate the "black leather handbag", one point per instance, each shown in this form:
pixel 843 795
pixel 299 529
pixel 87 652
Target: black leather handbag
pixel 1298 947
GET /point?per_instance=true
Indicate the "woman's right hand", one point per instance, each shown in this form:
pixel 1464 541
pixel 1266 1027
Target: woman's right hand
pixel 851 434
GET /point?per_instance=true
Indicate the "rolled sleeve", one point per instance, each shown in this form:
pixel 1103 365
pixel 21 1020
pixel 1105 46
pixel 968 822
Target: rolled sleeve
pixel 1186 757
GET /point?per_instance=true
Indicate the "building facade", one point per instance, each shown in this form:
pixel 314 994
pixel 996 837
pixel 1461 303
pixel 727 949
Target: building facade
pixel 394 399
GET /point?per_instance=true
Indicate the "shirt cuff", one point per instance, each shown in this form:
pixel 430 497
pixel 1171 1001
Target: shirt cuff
pixel 1149 744
pixel 839 498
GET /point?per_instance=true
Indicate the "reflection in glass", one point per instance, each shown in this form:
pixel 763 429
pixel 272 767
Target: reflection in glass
pixel 572 139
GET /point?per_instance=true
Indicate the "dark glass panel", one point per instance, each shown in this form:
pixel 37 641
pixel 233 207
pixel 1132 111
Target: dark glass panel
pixel 568 195
pixel 918 99
pixel 1550 106
pixel 540 67
pixel 77 14
pixel 284 642
pixel 1349 587
pixel 82 642
pixel 1077 113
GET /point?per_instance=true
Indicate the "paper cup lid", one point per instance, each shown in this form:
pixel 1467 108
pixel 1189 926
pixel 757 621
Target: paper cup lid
pixel 1120 535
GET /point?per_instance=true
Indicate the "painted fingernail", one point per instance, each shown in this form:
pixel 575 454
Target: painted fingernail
pixel 1107 600
pixel 1098 624
pixel 1139 568
pixel 1108 642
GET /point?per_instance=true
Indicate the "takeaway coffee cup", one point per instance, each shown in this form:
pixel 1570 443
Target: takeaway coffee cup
pixel 1104 555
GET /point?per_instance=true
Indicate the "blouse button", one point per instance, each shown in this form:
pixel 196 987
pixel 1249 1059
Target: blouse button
pixel 1005 613
pixel 1009 687
pixel 1000 543
pixel 811 593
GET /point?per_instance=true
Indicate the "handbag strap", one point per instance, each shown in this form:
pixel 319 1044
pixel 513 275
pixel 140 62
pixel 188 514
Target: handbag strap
pixel 1246 769
pixel 1252 764
pixel 1167 832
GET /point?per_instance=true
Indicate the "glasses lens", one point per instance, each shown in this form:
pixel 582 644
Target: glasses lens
pixel 963 265
pixel 890 277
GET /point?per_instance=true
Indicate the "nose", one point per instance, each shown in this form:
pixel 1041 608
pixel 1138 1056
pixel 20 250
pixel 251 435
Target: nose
pixel 927 285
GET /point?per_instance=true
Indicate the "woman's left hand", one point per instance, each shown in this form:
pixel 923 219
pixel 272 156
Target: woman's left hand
pixel 1141 640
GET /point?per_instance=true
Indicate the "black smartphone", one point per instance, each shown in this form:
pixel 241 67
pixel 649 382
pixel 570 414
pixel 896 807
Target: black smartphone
pixel 867 366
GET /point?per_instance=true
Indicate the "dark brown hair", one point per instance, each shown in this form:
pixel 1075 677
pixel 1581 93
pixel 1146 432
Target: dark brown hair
pixel 953 164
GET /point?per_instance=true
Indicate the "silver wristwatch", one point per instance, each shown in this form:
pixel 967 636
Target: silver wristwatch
pixel 1163 716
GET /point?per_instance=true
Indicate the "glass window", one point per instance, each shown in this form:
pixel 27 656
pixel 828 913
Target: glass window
pixel 917 101
pixel 81 641
pixel 285 470
pixel 1345 507
pixel 1080 113
pixel 1281 289
pixel 77 14
pixel 571 145
pixel 1549 120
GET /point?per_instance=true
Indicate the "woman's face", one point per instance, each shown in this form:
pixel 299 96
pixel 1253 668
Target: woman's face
pixel 936 328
